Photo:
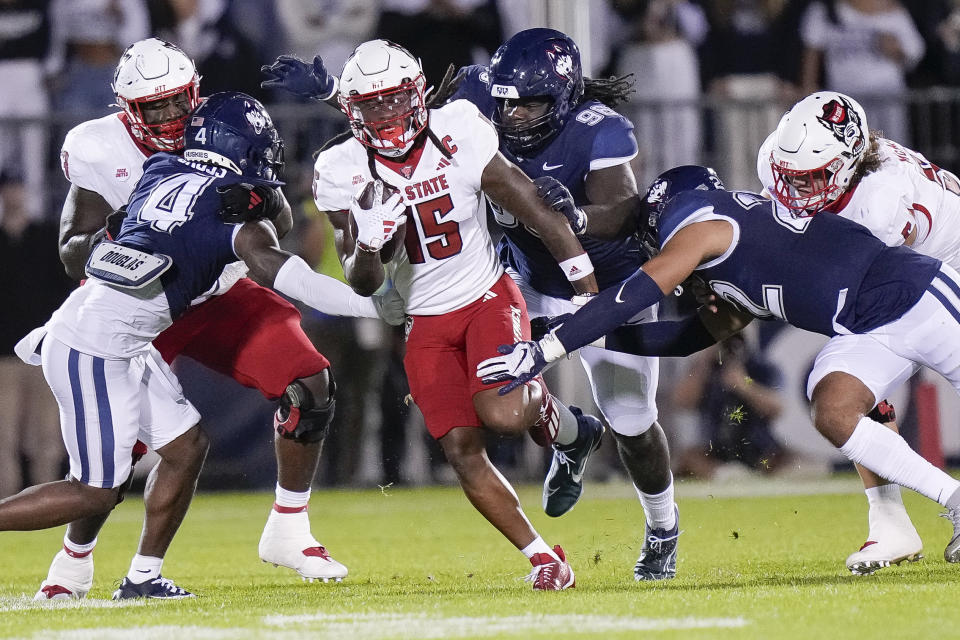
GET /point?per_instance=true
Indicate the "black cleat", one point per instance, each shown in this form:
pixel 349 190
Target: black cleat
pixel 564 482
pixel 658 557
pixel 159 587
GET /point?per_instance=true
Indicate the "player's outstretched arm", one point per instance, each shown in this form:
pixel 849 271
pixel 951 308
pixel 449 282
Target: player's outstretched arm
pixel 305 79
pixel 256 244
pixel 82 222
pixel 510 188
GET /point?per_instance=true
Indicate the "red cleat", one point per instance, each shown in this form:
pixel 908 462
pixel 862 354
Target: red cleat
pixel 550 574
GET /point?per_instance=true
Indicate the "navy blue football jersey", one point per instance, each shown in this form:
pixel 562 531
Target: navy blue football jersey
pixel 593 138
pixel 175 211
pixel 824 273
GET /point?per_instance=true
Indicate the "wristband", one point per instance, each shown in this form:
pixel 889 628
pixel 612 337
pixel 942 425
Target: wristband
pixel 577 267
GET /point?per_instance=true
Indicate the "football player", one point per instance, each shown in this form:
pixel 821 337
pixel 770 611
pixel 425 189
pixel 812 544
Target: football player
pixel 110 382
pixel 440 162
pixel 823 158
pixel 238 328
pixel 890 306
pixel 559 129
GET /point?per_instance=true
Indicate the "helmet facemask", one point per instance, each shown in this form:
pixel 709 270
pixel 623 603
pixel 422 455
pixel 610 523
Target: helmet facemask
pixel 526 136
pixel 388 120
pixel 805 192
pixel 162 135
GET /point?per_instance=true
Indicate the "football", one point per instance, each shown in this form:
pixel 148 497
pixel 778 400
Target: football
pixel 366 200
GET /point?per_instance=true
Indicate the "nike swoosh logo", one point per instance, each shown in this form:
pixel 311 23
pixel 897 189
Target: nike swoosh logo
pixel 577 477
pixel 551 167
pixel 143 570
pixel 619 299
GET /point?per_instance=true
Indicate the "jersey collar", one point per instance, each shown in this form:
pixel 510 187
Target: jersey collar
pixel 406 165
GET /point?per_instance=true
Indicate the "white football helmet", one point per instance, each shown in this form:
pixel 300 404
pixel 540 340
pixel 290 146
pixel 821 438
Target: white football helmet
pixel 817 147
pixel 152 70
pixel 382 93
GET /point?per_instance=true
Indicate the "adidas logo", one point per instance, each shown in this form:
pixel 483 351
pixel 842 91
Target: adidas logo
pixel 489 295
pixel 574 270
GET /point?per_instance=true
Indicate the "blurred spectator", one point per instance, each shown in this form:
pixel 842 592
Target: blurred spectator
pixel 24 39
pixel 88 38
pixel 33 287
pixel 735 391
pixel 226 59
pixel 948 45
pixel 442 32
pixel 865 48
pixel 661 51
pixel 329 28
pixel 739 64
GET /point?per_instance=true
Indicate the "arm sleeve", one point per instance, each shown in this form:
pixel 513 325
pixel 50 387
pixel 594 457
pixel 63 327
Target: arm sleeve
pixel 323 293
pixel 612 308
pixel 670 338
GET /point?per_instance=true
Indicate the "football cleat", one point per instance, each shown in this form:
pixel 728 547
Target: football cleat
pixel 69 578
pixel 658 556
pixel 893 539
pixel 287 542
pixel 564 483
pixel 551 574
pixel 952 551
pixel 158 588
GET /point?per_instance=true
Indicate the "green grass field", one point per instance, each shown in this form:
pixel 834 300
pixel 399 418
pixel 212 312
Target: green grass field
pixel 423 564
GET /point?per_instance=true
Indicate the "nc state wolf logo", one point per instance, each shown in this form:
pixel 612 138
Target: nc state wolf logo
pixel 842 120
pixel 562 62
pixel 257 120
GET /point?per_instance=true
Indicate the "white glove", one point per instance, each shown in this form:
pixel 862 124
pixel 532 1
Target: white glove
pixel 390 307
pixel 376 225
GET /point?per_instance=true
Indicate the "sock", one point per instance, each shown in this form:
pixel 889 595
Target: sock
pixel 75 550
pixel 884 495
pixel 144 568
pixel 658 507
pixel 538 546
pixel 888 455
pixel 291 501
pixel 569 428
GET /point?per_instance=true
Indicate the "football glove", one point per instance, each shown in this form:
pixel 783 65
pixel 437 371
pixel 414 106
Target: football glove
pixel 390 307
pixel 542 325
pixel 300 78
pixel 376 225
pixel 557 197
pixel 241 202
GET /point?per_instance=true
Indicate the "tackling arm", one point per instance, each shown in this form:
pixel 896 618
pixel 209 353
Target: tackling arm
pixel 81 226
pixel 509 187
pixel 256 244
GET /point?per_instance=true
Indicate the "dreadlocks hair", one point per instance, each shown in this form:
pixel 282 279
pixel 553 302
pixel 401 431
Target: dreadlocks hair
pixel 610 91
pixel 870 161
pixel 448 86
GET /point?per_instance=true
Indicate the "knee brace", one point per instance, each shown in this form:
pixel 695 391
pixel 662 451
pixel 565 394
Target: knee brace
pixel 299 418
pixel 883 413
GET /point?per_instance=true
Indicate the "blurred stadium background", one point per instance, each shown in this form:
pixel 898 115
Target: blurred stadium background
pixel 712 78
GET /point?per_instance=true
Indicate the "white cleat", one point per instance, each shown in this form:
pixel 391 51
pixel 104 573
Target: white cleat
pixel 889 546
pixel 287 542
pixel 69 578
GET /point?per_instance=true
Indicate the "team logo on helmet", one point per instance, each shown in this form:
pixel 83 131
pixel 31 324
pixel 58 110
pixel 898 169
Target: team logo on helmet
pixel 256 119
pixel 842 120
pixel 657 191
pixel 562 61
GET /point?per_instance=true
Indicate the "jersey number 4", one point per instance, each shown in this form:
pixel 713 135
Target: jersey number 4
pixel 441 238
pixel 171 202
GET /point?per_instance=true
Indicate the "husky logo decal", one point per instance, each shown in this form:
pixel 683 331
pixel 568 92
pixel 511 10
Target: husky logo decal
pixel 257 119
pixel 562 62
pixel 842 120
pixel 657 191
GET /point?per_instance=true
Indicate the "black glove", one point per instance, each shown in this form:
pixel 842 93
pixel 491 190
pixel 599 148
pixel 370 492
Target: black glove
pixel 242 202
pixel 300 78
pixel 557 197
pixel 542 325
pixel 114 222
